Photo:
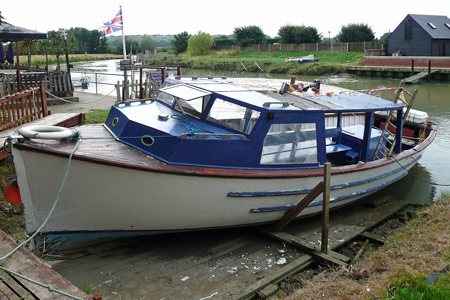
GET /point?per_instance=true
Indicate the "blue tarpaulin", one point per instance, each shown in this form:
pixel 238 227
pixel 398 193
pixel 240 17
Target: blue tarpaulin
pixel 2 54
pixel 10 53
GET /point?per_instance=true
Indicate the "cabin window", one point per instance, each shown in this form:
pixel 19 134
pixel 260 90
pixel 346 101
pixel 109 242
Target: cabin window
pixel 232 115
pixel 164 97
pixel 290 144
pixel 447 25
pixel 192 107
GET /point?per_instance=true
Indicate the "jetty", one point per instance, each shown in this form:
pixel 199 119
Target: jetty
pixel 24 276
pixel 417 77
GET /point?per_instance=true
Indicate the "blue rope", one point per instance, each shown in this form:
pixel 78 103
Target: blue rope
pixel 54 203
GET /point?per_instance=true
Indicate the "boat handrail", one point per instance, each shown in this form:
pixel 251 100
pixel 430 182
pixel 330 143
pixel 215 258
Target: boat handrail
pixel 267 104
pixel 204 135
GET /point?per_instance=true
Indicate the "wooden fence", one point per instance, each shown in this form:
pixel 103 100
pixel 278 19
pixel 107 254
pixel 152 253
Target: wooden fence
pixel 17 108
pixel 310 47
pixel 57 83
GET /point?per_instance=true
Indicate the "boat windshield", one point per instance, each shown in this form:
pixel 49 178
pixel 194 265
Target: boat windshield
pixel 232 115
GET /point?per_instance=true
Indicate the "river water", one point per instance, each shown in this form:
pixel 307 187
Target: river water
pixel 433 98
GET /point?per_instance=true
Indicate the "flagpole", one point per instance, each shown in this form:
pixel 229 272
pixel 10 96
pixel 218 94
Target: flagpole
pixel 123 37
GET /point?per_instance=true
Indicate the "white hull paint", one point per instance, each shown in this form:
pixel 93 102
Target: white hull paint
pixel 101 197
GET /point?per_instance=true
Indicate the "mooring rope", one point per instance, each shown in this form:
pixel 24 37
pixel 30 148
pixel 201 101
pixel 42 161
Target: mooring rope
pixel 49 287
pixel 53 206
pixel 74 102
pixel 415 176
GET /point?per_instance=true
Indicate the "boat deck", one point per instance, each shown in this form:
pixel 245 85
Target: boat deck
pixel 59 119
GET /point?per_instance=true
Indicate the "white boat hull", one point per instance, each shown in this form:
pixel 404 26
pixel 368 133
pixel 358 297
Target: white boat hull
pixel 100 197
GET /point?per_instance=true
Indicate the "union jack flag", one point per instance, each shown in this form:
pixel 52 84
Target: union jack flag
pixel 114 25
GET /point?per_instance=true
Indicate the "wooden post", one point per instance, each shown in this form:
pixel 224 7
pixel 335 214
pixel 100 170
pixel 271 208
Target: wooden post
pixel 412 67
pixel 326 206
pixel 141 90
pixel 19 78
pixel 44 100
pixel 292 213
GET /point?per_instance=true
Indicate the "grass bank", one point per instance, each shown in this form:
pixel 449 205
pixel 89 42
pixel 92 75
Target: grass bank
pixel 397 270
pixel 265 62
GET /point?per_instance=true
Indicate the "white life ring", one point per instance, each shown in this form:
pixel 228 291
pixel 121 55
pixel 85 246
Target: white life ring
pixel 46 132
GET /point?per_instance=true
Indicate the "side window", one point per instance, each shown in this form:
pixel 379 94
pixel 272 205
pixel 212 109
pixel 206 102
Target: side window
pixel 290 144
pixel 232 115
pixel 169 99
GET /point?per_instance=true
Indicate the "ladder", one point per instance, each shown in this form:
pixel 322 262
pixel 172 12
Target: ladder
pixel 386 144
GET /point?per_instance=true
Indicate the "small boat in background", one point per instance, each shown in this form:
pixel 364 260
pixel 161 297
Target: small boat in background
pixel 302 59
pixel 214 153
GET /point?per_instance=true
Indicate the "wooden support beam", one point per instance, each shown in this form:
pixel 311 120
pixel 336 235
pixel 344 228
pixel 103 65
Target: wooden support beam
pixel 292 213
pixel 373 237
pixel 278 275
pixel 309 249
pixel 360 252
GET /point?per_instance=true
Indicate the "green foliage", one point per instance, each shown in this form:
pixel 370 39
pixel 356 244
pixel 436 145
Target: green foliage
pixel 180 42
pixel 223 40
pixel 200 44
pixel 291 34
pixel 355 33
pixel 385 36
pixel 411 288
pixel 146 43
pixel 249 35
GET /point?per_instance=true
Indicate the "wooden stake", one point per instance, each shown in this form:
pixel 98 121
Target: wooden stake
pixel 326 207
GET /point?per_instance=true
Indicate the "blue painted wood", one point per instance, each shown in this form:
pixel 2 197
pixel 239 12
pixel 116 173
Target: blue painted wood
pixel 332 187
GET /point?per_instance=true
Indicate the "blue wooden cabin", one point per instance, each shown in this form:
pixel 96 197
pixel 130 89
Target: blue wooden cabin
pixel 212 123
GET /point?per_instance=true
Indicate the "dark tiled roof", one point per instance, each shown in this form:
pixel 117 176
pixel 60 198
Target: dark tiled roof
pixel 441 31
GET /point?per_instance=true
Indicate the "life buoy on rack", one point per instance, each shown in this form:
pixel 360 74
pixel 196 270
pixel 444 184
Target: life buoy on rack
pixel 46 132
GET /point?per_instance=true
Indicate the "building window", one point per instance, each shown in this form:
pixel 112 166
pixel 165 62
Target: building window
pixel 432 25
pixel 408 30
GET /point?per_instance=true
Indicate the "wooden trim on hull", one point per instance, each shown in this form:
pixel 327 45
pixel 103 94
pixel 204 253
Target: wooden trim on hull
pixel 134 159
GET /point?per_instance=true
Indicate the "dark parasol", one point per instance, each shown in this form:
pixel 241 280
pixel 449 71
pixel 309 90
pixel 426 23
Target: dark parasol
pixel 12 33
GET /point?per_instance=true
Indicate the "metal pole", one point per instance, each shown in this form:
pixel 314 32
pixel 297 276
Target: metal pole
pixel 96 83
pixel 326 207
pixel 412 66
pixel 123 38
pixel 429 70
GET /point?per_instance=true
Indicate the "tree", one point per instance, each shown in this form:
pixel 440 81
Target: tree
pixel 223 40
pixel 180 42
pixel 57 45
pixel 249 35
pixel 146 43
pixel 292 34
pixel 200 44
pixel 385 36
pixel 355 33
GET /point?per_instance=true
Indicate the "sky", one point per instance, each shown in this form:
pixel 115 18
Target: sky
pixel 217 17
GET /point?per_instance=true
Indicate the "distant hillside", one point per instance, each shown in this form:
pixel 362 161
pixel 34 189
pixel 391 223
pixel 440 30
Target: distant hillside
pixel 160 40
